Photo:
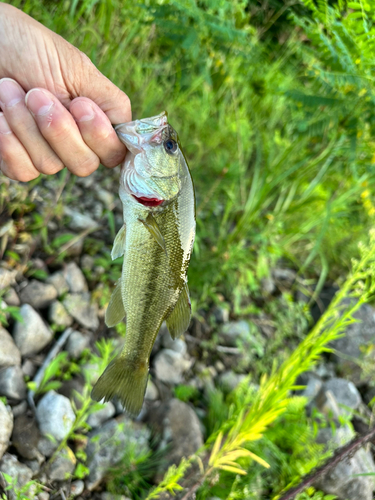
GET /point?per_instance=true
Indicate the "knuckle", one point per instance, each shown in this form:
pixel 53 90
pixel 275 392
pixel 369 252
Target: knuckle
pixel 49 166
pixel 86 167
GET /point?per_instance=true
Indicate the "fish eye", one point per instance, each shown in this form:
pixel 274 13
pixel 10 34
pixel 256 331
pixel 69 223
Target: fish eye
pixel 170 146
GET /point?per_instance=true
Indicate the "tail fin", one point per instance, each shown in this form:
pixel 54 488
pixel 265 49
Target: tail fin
pixel 126 380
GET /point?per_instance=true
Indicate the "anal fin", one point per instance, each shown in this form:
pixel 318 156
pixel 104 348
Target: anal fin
pixel 118 248
pixel 179 319
pixel 115 311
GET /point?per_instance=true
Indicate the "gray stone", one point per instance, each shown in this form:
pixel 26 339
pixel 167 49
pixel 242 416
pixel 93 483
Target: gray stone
pixel 19 409
pixel 25 436
pixel 107 445
pixel 55 415
pixel 75 278
pixel 28 368
pixel 17 471
pixel 106 197
pixel 345 393
pixel 170 365
pixel 80 307
pixel 43 495
pixel 76 488
pixel 87 262
pixel 46 446
pixel 12 384
pixel 58 315
pixel 268 285
pixel 178 426
pixel 11 298
pixel 32 334
pixel 38 294
pixel 230 380
pixel 79 221
pixel 9 353
pixel 77 343
pixel 230 333
pixel 341 480
pixel 312 382
pixel 152 393
pixel 357 345
pixel 62 467
pixel 284 275
pixel 6 427
pixel 177 345
pixel 59 282
pixel 7 278
pixel 221 314
pixel 99 417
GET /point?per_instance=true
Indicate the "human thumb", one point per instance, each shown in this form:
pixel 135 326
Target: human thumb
pixel 97 87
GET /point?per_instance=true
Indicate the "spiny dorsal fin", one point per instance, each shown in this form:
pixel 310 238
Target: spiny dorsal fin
pixel 115 311
pixel 179 319
pixel 152 226
pixel 118 248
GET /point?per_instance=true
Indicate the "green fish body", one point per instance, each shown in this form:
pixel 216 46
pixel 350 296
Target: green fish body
pixel 156 240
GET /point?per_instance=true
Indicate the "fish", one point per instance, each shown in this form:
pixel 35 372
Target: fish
pixel 156 240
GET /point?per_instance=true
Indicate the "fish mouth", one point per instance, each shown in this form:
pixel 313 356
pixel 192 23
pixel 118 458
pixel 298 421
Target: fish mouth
pixel 148 202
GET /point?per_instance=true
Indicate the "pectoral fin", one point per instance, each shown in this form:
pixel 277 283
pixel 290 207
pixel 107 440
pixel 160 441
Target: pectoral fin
pixel 115 311
pixel 119 244
pixel 179 319
pixel 152 226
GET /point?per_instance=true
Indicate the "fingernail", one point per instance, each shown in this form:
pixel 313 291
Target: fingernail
pixel 4 127
pixel 10 93
pixel 38 102
pixel 82 111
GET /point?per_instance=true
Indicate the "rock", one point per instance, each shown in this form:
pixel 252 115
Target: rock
pixel 11 298
pixel 267 285
pixel 25 436
pixel 7 278
pixel 106 197
pixel 152 393
pixel 285 276
pixel 28 368
pixel 32 334
pixel 170 365
pixel 19 409
pixel 77 343
pixel 357 345
pixel 79 221
pixel 62 466
pixel 55 415
pixel 59 282
pixel 75 278
pixel 107 444
pixel 38 294
pixel 9 353
pixel 177 345
pixel 87 262
pixel 79 306
pixel 71 387
pixel 221 314
pixel 179 428
pixel 340 480
pixel 230 333
pixel 6 427
pixel 58 315
pixel 312 382
pixel 43 495
pixel 12 384
pixel 17 471
pixel 230 380
pixel 46 446
pixel 345 393
pixel 76 488
pixel 99 417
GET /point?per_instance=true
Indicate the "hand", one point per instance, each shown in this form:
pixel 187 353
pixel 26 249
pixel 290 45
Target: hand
pixel 57 108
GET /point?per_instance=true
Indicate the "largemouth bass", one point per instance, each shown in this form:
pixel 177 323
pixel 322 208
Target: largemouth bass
pixel 156 240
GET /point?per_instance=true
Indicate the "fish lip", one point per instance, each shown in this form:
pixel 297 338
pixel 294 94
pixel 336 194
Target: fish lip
pixel 148 202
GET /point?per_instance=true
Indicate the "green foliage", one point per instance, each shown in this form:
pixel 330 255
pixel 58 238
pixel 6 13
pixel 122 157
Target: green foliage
pixel 185 392
pixel 26 492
